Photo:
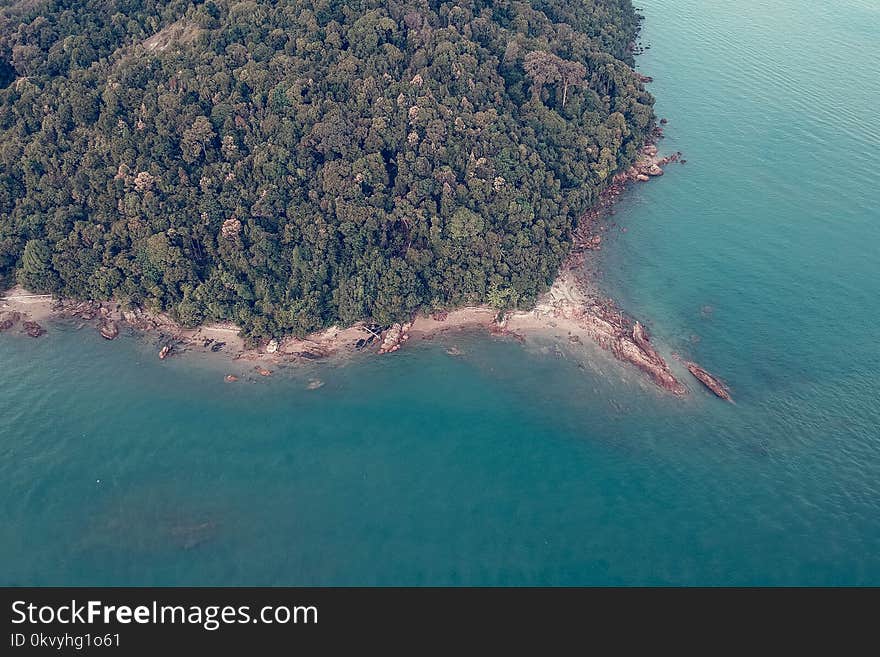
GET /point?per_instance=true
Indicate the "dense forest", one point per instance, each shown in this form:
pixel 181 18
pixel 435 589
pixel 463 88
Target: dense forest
pixel 293 164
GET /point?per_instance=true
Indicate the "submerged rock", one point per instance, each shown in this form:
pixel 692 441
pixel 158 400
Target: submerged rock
pixel 718 388
pixel 314 384
pixel 231 378
pixel 188 537
pixel 165 352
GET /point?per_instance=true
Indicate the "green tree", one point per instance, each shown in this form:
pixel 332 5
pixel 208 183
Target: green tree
pixel 196 139
pixel 36 271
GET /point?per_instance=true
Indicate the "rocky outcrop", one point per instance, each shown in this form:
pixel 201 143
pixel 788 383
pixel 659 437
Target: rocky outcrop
pixel 499 327
pixel 394 337
pixel 108 329
pixel 718 388
pixel 649 164
pixel 165 351
pixel 231 378
pixel 571 296
pixel 600 320
pixel 637 349
pixel 8 320
pixel 33 329
pixel 85 310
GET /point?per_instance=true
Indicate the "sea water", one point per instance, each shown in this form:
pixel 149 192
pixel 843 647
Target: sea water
pixel 539 464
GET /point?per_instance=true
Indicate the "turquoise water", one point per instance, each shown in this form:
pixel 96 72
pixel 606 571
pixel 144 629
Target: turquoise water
pixel 760 258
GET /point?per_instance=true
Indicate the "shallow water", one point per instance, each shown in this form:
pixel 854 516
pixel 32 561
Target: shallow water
pixel 512 465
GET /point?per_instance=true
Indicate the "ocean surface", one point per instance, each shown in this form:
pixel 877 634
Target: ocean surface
pixel 535 464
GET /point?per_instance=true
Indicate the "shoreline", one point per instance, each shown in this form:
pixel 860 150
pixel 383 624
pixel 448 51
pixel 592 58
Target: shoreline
pixel 572 304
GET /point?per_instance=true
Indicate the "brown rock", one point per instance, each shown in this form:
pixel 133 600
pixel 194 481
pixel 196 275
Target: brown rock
pixel 33 329
pixel 231 378
pixel 640 337
pixel 109 330
pixel 394 337
pixel 718 388
pixel 164 352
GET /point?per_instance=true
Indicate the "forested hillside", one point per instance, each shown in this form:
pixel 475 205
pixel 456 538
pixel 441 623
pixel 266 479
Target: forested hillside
pixel 289 165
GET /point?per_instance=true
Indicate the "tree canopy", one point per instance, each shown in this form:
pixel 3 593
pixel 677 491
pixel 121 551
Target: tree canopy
pixel 293 164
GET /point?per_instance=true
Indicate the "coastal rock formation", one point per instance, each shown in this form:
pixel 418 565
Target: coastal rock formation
pixel 86 310
pixel 313 352
pixel 637 350
pixel 231 378
pixel 395 337
pixel 572 298
pixel 108 329
pixel 164 352
pixel 649 164
pixel 8 320
pixel 33 329
pixel 598 318
pixel 307 349
pixel 499 327
pixel 718 388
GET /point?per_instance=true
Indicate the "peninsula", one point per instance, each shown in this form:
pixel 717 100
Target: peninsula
pixel 285 169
